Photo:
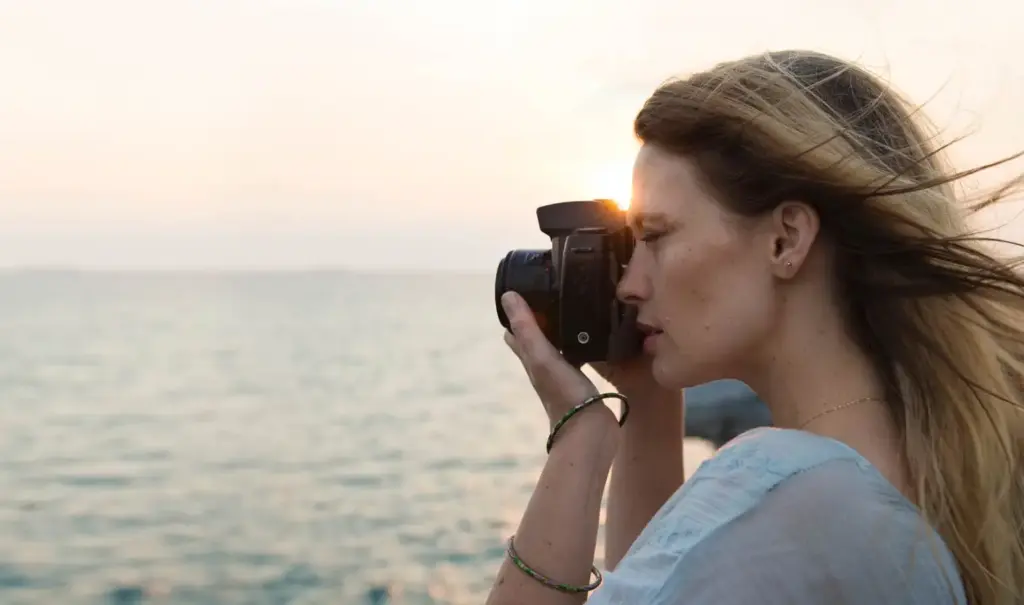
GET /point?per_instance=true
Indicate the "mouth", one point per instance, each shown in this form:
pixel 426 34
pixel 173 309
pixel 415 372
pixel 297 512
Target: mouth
pixel 648 329
pixel 651 334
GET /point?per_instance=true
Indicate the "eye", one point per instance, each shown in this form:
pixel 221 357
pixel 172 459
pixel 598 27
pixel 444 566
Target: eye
pixel 649 237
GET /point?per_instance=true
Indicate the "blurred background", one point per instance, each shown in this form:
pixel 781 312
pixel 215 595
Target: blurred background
pixel 248 350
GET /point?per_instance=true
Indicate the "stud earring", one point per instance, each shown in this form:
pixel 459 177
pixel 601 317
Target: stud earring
pixel 789 263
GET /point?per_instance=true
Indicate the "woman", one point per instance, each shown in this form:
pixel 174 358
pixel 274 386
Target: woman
pixel 797 231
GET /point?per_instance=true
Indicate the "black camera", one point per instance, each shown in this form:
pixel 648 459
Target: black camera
pixel 571 287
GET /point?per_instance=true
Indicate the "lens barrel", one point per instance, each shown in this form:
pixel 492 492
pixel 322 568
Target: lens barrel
pixel 531 274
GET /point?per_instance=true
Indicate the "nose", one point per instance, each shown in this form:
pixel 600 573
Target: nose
pixel 635 286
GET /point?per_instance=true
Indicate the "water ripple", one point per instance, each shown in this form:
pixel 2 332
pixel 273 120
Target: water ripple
pixel 262 439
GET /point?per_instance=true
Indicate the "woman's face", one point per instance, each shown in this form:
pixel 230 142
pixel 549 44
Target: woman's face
pixel 700 275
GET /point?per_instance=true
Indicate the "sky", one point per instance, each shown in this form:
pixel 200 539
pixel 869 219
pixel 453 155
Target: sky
pixel 401 134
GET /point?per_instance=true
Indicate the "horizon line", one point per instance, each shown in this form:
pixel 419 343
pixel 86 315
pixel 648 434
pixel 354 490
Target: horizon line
pixel 69 269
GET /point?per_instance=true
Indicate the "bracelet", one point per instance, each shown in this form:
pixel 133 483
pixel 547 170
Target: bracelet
pixel 588 402
pixel 569 588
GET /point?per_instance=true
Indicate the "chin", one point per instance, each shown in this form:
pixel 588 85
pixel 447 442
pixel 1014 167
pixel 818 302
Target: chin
pixel 676 374
pixel 668 375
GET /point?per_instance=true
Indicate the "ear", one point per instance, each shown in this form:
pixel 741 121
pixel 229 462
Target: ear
pixel 795 227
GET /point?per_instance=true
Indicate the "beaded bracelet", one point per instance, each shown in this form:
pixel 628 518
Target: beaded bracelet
pixel 586 403
pixel 569 588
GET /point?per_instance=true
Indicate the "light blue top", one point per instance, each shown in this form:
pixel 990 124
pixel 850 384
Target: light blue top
pixel 783 517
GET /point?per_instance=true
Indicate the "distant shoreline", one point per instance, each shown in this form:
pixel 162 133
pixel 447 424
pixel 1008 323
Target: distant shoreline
pixel 396 272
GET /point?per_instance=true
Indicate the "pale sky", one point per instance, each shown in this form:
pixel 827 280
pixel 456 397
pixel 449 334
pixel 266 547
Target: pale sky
pixel 399 134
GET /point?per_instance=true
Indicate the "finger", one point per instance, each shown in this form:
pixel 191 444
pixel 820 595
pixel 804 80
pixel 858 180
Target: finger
pixel 510 340
pixel 533 345
pixel 521 320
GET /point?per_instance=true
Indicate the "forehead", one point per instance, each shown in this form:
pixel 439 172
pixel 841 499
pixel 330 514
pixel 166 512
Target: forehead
pixel 663 185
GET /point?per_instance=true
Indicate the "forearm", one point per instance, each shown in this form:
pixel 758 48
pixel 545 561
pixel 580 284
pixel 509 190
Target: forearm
pixel 558 531
pixel 648 469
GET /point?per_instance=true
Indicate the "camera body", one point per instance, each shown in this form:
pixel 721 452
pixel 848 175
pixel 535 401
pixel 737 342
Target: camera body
pixel 571 286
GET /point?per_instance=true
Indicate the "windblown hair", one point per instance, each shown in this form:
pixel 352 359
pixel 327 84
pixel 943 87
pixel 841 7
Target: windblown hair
pixel 940 316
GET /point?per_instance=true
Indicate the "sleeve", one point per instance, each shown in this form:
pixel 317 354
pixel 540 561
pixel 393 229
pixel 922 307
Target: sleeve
pixel 821 537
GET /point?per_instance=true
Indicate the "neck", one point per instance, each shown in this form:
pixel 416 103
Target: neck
pixel 810 369
pixel 812 366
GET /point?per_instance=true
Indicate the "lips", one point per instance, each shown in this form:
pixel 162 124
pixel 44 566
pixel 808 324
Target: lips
pixel 648 329
pixel 651 334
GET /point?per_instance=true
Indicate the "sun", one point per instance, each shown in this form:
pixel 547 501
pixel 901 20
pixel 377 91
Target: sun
pixel 614 182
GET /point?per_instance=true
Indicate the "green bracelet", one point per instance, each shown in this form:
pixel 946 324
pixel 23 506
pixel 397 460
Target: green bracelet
pixel 586 403
pixel 569 588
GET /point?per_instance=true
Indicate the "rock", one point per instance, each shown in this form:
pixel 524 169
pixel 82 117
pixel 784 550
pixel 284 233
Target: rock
pixel 720 410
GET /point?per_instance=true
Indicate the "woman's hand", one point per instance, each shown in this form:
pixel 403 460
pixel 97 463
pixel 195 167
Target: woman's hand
pixel 559 385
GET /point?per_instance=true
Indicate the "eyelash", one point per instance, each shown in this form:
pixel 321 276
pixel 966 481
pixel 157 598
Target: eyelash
pixel 650 238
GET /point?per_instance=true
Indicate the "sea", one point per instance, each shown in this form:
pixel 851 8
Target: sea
pixel 279 438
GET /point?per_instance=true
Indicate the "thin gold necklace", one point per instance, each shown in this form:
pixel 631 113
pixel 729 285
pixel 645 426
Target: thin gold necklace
pixel 837 408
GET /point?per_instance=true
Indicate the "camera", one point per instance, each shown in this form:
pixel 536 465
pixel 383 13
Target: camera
pixel 571 286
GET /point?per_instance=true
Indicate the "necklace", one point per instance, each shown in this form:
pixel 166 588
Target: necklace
pixel 837 408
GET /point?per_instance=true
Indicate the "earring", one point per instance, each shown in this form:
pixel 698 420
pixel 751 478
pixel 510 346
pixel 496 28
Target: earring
pixel 789 263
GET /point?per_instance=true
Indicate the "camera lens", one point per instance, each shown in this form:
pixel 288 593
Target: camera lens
pixel 531 274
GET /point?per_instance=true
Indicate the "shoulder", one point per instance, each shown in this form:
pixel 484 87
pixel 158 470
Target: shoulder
pixel 835 534
pixel 785 517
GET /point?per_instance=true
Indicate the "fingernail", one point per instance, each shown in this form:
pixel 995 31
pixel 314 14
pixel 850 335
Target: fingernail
pixel 508 301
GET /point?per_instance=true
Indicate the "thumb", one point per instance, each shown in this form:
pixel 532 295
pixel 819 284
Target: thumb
pixel 531 344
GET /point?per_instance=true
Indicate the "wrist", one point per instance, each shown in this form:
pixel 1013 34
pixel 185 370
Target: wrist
pixel 644 389
pixel 655 418
pixel 596 425
pixel 595 408
pixel 654 401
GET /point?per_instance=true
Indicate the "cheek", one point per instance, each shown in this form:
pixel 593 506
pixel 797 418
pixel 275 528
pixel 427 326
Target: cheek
pixel 711 297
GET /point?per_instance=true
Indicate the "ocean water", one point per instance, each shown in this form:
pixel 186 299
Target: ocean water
pixel 290 438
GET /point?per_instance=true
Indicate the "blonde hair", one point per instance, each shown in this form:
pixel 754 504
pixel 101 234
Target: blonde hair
pixel 940 316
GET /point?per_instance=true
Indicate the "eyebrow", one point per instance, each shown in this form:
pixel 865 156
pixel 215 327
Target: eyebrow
pixel 640 219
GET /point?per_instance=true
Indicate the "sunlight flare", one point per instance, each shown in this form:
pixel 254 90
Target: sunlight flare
pixel 614 181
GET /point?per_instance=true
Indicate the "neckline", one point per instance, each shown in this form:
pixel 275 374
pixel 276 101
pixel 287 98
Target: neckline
pixel 859 459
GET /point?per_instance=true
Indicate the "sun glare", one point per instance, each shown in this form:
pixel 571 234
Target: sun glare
pixel 614 182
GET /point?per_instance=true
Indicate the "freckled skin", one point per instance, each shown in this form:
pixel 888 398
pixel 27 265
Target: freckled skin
pixel 705 279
